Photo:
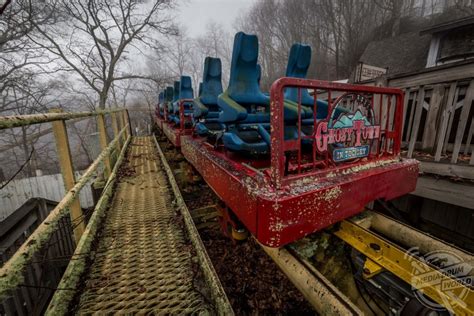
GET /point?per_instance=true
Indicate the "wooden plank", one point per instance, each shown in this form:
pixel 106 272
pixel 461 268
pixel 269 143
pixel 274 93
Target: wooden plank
pixel 463 121
pixel 429 133
pixel 445 191
pixel 434 76
pixel 67 170
pixel 416 121
pixel 405 106
pixel 468 146
pixel 447 169
pixel 444 120
pixel 451 119
pixel 412 114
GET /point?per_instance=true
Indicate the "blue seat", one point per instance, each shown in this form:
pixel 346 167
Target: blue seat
pixel 168 97
pixel 245 109
pixel 171 113
pixel 161 100
pixel 185 91
pixel 298 64
pixel 200 89
pixel 206 110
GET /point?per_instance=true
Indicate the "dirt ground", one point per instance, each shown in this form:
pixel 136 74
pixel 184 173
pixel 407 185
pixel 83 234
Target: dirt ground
pixel 252 281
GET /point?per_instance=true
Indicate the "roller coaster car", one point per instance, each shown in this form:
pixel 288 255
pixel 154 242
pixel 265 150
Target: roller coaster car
pixel 206 110
pixel 348 157
pixel 179 111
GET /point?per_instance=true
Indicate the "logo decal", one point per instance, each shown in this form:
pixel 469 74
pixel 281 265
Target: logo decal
pixel 350 133
pixel 453 277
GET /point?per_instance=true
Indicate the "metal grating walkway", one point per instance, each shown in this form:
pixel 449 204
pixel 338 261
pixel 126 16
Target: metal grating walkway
pixel 143 263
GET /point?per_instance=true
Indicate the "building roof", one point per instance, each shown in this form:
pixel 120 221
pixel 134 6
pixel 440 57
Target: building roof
pixel 400 54
pixel 441 27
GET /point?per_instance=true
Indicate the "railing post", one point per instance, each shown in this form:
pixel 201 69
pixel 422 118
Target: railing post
pixel 65 162
pixel 115 128
pixel 125 122
pixel 122 125
pixel 103 142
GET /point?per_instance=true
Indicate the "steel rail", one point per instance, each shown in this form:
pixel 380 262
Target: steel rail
pixel 319 291
pixel 30 119
pixel 11 274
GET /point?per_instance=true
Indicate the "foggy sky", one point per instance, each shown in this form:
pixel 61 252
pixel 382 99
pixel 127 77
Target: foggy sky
pixel 195 14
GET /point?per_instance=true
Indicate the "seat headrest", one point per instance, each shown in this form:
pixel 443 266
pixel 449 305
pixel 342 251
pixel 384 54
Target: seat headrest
pixel 176 91
pixel 185 88
pixel 243 83
pixel 169 93
pixel 211 81
pixel 298 61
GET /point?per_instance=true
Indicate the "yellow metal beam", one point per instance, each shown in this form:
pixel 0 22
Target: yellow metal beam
pixel 115 128
pixel 459 299
pixel 67 170
pixel 103 142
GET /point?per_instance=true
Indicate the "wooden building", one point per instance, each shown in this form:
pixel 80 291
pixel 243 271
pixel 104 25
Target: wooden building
pixel 435 68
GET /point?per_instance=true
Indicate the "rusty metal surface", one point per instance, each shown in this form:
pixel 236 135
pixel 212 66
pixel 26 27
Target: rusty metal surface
pixel 143 263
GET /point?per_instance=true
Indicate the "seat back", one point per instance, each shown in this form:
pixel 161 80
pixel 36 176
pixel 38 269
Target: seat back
pixel 298 64
pixel 161 99
pixel 200 89
pixel 211 83
pixel 168 98
pixel 243 83
pixel 185 88
pixel 169 94
pixel 176 85
pixel 259 73
pixel 185 92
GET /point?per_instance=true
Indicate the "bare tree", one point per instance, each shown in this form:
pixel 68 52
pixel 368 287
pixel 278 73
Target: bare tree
pixel 20 61
pixel 95 38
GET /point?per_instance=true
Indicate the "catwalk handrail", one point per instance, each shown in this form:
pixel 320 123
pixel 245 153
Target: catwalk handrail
pixel 11 274
pixel 30 119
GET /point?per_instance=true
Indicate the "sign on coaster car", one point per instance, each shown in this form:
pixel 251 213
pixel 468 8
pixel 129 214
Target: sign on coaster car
pixel 354 128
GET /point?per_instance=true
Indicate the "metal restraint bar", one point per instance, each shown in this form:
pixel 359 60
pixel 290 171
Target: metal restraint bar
pixel 145 260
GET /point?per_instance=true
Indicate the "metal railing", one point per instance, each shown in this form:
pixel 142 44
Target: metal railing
pixel 12 273
pixel 368 121
pixel 183 118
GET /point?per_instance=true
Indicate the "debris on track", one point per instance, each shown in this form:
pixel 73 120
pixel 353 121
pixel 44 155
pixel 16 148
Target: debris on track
pixel 252 281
